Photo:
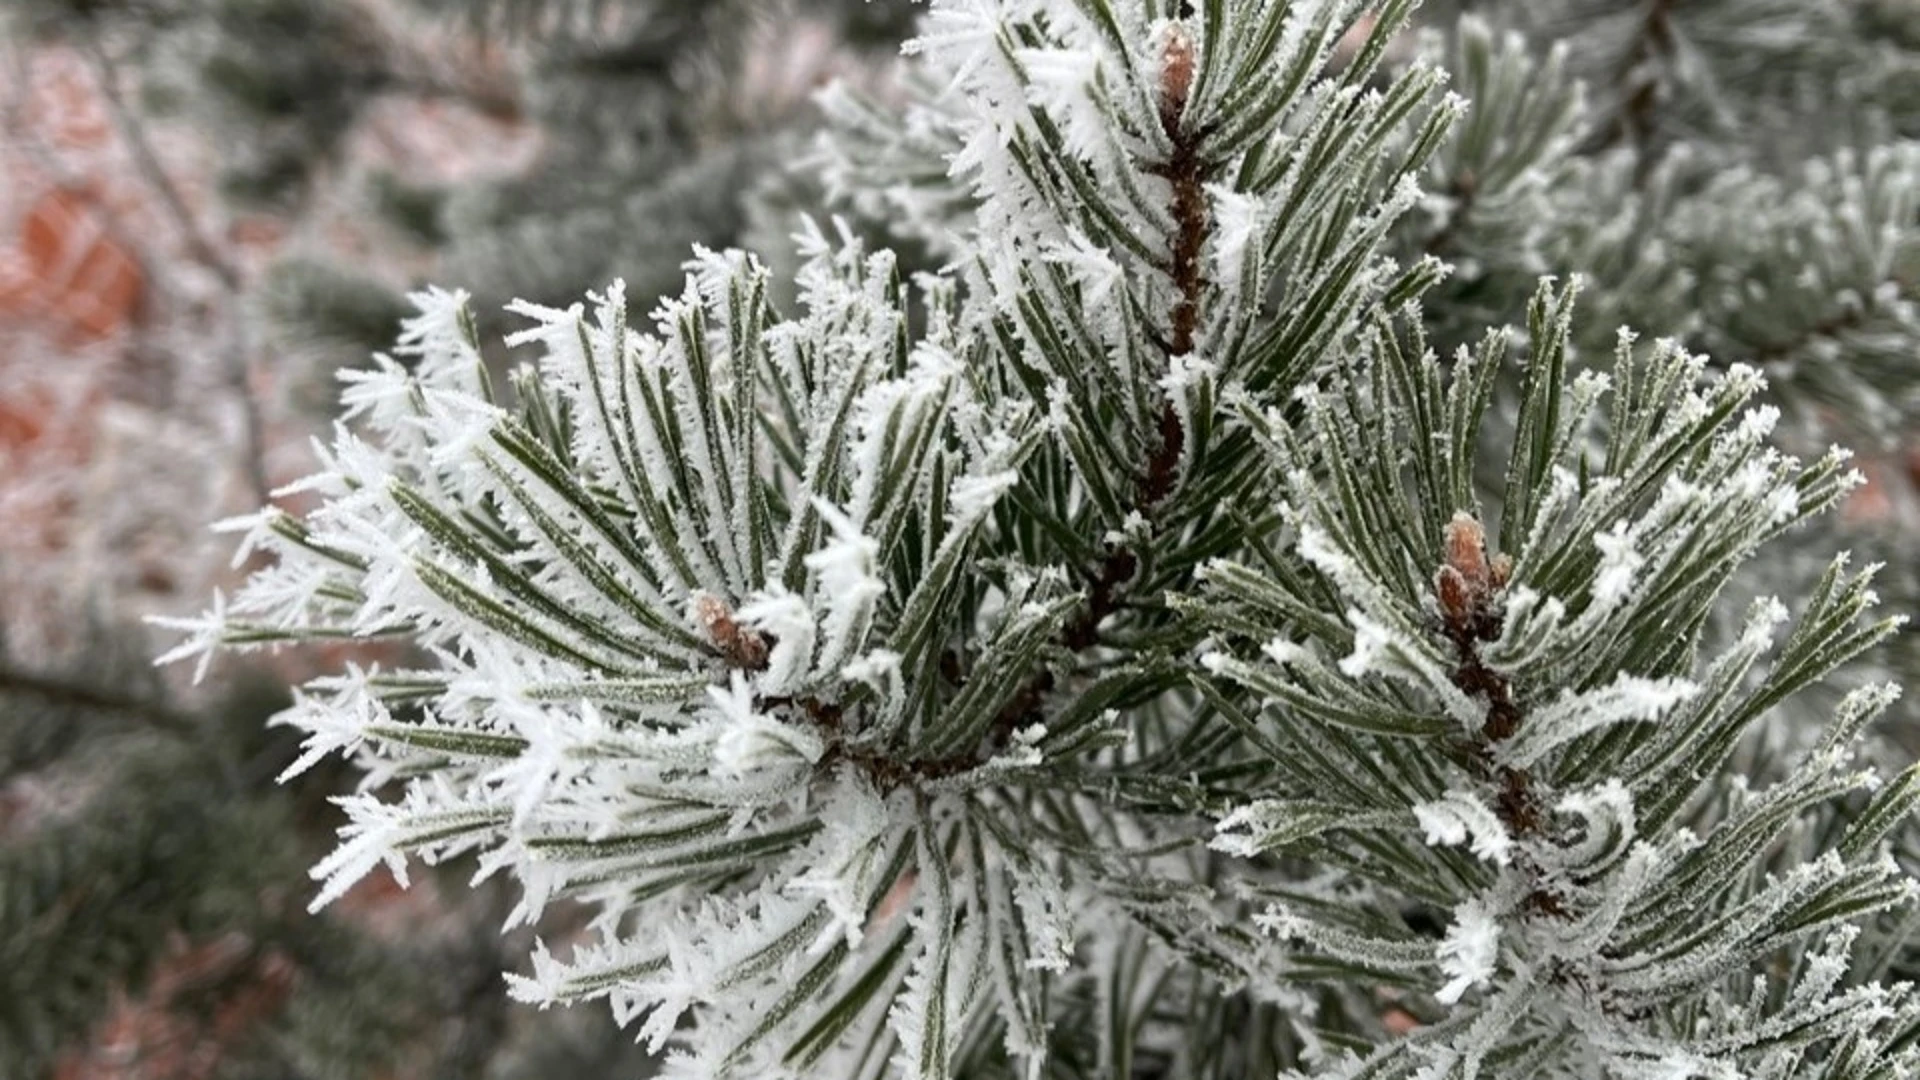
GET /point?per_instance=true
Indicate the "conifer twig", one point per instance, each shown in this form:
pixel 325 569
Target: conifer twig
pixel 1186 171
pixel 1467 586
pixel 1832 326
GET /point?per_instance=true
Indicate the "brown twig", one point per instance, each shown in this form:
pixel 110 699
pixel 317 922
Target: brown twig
pixel 153 172
pixel 83 695
pixel 1186 171
pixel 1636 119
pixel 1467 586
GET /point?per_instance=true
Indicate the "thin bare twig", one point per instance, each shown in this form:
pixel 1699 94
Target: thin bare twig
pixel 1639 110
pixel 234 355
pixel 82 695
pixel 107 74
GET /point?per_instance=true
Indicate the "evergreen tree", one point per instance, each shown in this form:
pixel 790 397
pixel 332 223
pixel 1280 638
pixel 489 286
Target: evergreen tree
pixel 1187 634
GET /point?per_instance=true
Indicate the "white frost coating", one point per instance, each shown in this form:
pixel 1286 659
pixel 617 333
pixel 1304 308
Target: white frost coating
pixel 1278 921
pixel 967 31
pixel 1679 1065
pixel 1628 699
pixel 1757 424
pixel 1186 371
pixel 1619 563
pixel 533 774
pixel 335 726
pixel 1048 918
pixel 1094 267
pixel 205 634
pixel 1287 653
pixel 368 841
pixel 1610 825
pixel 1382 650
pixel 1783 504
pixel 1531 628
pixel 1257 818
pixel 383 395
pixel 1457 817
pixel 1239 221
pixel 1023 748
pixel 751 740
pixel 877 668
pixel 852 856
pixel 377 833
pixel 1320 548
pixel 547 984
pixel 848 588
pixel 787 619
pixel 1470 951
pixel 973 496
pixel 1227 842
pixel 1062 85
pixel 437 339
pixel 1371 643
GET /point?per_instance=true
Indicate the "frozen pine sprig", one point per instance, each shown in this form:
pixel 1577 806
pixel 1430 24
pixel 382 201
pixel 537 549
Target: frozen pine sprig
pixel 686 597
pixel 1115 652
pixel 1610 891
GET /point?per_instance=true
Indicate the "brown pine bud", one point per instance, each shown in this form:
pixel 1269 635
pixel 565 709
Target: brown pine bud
pixel 1457 600
pixel 1466 543
pixel 1176 74
pixel 742 647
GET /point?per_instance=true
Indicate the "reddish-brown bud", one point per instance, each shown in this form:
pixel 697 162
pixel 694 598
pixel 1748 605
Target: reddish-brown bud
pixel 1466 545
pixel 1457 600
pixel 741 646
pixel 1177 62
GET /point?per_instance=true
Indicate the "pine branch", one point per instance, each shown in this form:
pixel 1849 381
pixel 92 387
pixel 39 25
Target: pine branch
pixel 1467 587
pixel 812 648
pixel 1830 328
pixel 1187 170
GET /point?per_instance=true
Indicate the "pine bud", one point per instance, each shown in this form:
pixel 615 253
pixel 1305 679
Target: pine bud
pixel 742 647
pixel 1466 544
pixel 1457 598
pixel 1176 74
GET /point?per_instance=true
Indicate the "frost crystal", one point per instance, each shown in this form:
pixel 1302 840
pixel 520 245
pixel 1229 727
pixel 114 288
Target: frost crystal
pixel 1469 953
pixel 1619 563
pixel 1458 818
